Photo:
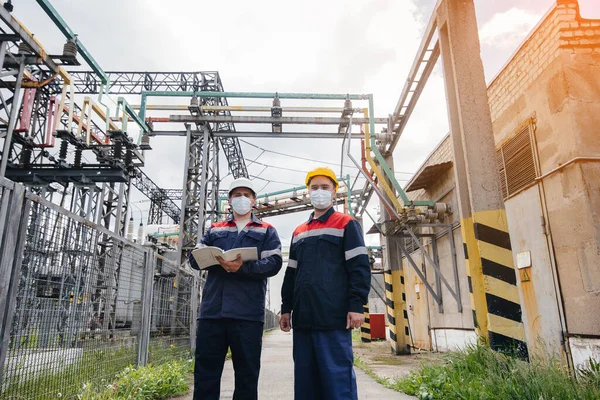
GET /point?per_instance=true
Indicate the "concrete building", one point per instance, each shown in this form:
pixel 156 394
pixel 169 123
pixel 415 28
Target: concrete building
pixel 545 108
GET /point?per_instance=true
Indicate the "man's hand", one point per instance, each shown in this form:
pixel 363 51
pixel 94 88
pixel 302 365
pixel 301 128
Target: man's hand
pixel 354 320
pixel 284 322
pixel 230 266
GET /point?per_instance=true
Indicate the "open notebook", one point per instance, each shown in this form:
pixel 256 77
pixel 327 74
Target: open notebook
pixel 206 256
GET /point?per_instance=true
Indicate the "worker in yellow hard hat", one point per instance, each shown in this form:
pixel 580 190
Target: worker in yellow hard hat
pixel 326 285
pixel 322 171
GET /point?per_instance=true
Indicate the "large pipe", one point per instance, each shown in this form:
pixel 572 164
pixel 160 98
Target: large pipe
pixel 243 119
pixel 388 190
pixel 386 169
pixel 248 95
pixel 389 207
pixel 255 134
pixel 181 107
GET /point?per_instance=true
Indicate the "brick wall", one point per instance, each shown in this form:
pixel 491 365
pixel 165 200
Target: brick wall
pixel 442 153
pixel 562 31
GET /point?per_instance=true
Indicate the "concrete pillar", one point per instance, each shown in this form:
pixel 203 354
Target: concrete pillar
pixel 490 270
pixel 395 294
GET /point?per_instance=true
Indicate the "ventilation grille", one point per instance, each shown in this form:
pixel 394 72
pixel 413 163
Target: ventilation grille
pixel 516 163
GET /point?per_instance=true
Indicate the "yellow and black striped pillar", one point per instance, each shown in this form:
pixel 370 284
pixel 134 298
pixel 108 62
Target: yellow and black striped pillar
pixel 505 328
pixel 474 277
pixel 395 299
pixel 365 328
pixel 490 270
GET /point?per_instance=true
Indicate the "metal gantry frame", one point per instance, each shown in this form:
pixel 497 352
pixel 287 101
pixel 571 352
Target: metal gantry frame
pixel 172 83
pixel 436 292
pixel 100 192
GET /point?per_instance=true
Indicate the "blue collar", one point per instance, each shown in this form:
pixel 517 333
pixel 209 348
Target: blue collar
pixel 323 217
pixel 253 218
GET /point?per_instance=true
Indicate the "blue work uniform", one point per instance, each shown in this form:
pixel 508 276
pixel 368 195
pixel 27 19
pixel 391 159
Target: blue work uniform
pixel 232 310
pixel 328 275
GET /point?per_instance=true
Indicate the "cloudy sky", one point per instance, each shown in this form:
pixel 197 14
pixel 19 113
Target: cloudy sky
pixel 266 46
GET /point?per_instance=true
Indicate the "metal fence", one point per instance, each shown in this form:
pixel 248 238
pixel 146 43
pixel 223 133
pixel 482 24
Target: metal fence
pixel 79 303
pixel 271 320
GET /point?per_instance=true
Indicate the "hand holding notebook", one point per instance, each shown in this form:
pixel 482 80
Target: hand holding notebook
pixel 207 256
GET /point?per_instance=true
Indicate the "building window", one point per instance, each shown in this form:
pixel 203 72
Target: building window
pixel 516 162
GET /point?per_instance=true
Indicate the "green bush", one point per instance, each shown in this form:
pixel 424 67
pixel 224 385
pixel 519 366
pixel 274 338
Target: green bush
pixel 144 383
pixel 481 373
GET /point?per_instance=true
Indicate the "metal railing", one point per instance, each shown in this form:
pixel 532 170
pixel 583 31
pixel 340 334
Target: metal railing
pixel 79 303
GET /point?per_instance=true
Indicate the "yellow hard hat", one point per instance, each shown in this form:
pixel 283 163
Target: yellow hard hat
pixel 322 171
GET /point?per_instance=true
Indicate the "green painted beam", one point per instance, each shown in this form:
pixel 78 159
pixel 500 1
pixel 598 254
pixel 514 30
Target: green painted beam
pixel 386 168
pixel 69 34
pixel 121 102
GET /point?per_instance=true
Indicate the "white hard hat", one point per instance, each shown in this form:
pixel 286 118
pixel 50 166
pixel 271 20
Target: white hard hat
pixel 242 183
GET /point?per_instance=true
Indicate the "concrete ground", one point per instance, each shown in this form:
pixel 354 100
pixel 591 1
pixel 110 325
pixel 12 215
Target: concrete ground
pixel 277 374
pixel 379 358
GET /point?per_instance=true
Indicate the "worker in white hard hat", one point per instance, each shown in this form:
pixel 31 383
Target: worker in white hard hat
pixel 326 285
pixel 232 310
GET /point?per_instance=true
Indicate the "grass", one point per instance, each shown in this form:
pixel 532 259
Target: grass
pixel 144 383
pixel 388 360
pixel 480 373
pixel 356 336
pixel 98 366
pixel 360 363
pixel 96 369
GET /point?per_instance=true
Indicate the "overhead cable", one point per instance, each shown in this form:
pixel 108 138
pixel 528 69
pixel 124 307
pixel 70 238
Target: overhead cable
pixel 307 159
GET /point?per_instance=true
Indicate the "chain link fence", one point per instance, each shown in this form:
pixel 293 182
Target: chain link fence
pixel 80 303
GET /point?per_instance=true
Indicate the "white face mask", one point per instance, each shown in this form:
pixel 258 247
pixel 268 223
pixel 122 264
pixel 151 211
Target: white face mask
pixel 241 205
pixel 320 199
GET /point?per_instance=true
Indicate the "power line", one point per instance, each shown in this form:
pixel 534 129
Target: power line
pixel 272 181
pixel 308 159
pixel 283 168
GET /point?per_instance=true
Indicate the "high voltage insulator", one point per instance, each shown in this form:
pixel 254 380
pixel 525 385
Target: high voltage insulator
pixel 70 49
pixel 118 149
pixel 128 158
pixel 25 158
pixel 64 147
pixel 78 155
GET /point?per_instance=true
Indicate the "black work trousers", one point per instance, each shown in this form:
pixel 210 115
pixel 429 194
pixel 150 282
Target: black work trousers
pixel 214 337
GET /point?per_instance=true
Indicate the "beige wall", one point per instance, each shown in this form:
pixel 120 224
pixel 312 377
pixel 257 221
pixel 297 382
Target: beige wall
pixel 555 78
pixel 423 310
